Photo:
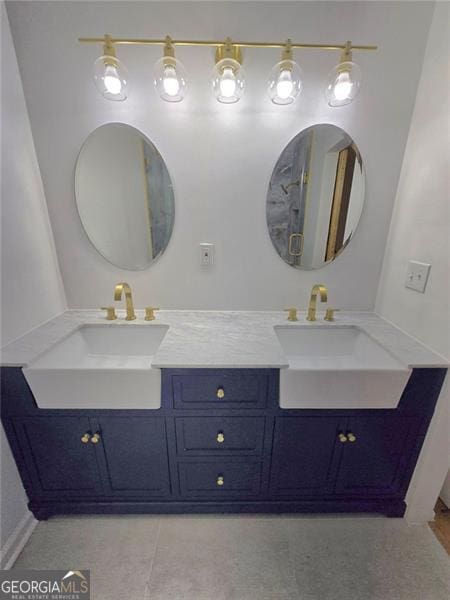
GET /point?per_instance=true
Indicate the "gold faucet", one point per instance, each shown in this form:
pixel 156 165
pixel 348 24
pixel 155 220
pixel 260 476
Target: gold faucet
pixel 317 289
pixel 124 287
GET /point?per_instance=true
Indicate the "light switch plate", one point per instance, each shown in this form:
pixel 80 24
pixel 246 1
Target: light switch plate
pixel 417 275
pixel 206 254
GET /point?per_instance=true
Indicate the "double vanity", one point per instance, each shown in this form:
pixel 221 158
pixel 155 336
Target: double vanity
pixel 217 412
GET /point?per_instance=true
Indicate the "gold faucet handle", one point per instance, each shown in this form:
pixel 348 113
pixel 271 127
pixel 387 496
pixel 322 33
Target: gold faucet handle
pixel 292 314
pixel 329 314
pixel 110 312
pixel 150 313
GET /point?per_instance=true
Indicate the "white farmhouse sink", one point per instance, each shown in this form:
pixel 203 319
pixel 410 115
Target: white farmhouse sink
pixel 338 367
pixel 99 366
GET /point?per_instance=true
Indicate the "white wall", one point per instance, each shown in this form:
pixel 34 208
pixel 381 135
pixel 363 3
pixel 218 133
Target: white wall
pixel 220 157
pixel 445 492
pixel 420 230
pixel 31 290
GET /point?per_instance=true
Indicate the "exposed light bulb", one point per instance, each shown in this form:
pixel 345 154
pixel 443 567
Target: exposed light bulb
pixel 111 76
pixel 170 78
pixel 111 80
pixel 344 80
pixel 285 79
pixel 227 83
pixel 170 81
pixel 228 76
pixel 343 86
pixel 284 84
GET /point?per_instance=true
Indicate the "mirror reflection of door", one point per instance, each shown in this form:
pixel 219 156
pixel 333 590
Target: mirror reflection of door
pixel 341 202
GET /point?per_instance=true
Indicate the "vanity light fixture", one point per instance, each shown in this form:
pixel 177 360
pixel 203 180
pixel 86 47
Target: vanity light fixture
pixel 110 75
pixel 285 79
pixel 170 77
pixel 228 76
pixel 344 80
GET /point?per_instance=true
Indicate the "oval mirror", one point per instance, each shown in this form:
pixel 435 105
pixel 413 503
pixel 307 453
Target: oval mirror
pixel 315 197
pixel 124 196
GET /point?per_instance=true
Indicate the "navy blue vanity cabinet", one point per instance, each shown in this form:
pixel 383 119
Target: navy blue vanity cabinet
pixel 305 455
pixel 58 456
pixel 219 443
pixel 376 454
pixel 132 454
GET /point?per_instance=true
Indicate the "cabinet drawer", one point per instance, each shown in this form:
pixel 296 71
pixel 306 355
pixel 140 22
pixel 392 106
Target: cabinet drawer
pixel 223 389
pixel 220 435
pixel 220 479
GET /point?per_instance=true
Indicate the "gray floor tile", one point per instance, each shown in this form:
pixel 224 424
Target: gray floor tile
pixel 245 557
pixel 222 559
pixel 367 559
pixel 118 551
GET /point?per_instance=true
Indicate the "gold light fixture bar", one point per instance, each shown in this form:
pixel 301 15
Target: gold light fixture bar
pixel 217 43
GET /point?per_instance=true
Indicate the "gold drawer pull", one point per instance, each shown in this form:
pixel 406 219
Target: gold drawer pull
pixel 351 437
pixel 342 438
pixel 220 393
pixel 95 438
pixel 85 438
pixel 220 437
pixel 220 480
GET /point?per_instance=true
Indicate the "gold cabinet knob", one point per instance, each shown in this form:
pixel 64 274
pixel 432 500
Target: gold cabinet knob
pixel 85 438
pixel 150 313
pixel 220 393
pixel 342 438
pixel 292 314
pixel 110 312
pixel 220 437
pixel 220 480
pixel 95 438
pixel 351 437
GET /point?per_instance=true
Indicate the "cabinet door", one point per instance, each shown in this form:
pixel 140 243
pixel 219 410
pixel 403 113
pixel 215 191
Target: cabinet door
pixel 60 464
pixel 376 461
pixel 305 456
pixel 133 455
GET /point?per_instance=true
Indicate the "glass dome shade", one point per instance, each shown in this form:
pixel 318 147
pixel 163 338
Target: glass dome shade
pixel 111 78
pixel 170 79
pixel 285 82
pixel 228 80
pixel 344 82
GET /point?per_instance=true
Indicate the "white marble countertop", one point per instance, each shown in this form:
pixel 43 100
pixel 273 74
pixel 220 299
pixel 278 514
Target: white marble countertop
pixel 220 339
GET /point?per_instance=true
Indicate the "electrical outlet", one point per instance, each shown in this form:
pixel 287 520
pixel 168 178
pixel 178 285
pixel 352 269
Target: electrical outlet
pixel 417 275
pixel 206 254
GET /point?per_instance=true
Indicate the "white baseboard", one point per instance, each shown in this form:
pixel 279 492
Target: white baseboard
pixel 17 540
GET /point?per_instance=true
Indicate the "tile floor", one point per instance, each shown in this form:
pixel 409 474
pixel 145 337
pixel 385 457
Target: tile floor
pixel 245 557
